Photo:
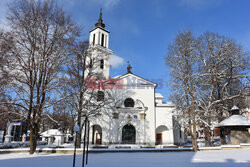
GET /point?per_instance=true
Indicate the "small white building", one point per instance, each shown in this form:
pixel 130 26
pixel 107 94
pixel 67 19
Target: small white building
pixel 235 129
pixel 138 115
pixel 53 136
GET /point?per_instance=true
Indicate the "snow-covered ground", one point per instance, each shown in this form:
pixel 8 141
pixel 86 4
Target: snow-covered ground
pixel 222 158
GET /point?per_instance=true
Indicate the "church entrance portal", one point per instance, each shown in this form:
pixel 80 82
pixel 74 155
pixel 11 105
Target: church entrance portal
pixel 128 134
pixel 96 134
pixel 158 138
pixel 161 134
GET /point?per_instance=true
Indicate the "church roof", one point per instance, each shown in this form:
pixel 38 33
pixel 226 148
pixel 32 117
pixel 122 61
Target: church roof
pixel 100 28
pixel 130 75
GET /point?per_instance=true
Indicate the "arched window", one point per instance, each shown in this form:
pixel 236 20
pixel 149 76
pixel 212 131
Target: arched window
pixel 94 39
pixel 90 63
pixel 129 102
pixel 100 96
pixel 102 42
pixel 101 63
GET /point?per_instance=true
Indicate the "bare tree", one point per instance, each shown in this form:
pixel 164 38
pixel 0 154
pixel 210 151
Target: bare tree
pixel 40 39
pixel 4 75
pixel 183 62
pixel 223 71
pixel 209 77
pixel 60 118
pixel 4 83
pixel 76 85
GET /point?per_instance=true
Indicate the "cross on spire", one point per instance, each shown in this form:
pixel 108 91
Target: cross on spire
pixel 129 68
pixel 100 16
pixel 100 21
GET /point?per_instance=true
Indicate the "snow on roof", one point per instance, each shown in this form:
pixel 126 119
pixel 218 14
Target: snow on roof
pixel 167 104
pixel 248 110
pixel 235 120
pixel 117 76
pixel 170 103
pixel 52 132
pixel 234 108
pixel 69 135
pixel 159 96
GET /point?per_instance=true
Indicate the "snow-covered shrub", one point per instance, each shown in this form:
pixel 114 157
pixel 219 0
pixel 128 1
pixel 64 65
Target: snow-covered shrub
pixel 20 144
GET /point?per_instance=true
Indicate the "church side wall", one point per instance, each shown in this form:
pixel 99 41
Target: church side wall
pixel 178 133
pixel 164 118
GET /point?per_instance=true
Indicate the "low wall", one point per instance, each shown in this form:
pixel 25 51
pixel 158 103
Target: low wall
pixel 226 147
pixel 237 136
pixel 104 150
pixel 80 150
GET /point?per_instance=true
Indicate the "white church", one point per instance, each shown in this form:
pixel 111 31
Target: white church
pixel 138 116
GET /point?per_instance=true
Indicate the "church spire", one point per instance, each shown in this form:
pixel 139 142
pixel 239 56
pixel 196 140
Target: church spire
pixel 100 23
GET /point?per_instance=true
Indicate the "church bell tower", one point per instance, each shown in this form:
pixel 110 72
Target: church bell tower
pixel 98 58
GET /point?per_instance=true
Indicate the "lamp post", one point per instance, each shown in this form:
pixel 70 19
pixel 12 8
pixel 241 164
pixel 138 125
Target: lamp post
pixel 84 140
pixel 87 154
pixel 76 130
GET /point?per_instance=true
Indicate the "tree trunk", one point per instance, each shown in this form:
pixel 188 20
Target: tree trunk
pixel 208 136
pixel 33 139
pixel 194 136
pixel 78 140
pixel 78 135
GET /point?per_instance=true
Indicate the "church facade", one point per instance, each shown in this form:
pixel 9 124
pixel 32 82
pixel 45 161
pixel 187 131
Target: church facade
pixel 138 114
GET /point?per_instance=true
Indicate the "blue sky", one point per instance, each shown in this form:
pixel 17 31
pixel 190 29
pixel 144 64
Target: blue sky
pixel 140 30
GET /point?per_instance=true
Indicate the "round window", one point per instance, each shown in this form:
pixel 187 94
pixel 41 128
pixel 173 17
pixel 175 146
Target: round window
pixel 129 102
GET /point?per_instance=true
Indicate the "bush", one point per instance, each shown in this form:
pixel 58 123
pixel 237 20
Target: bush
pixel 20 144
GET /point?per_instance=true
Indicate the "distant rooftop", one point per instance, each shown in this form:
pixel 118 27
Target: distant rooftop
pixel 166 104
pixel 158 95
pixel 235 120
pixel 234 108
pixel 52 132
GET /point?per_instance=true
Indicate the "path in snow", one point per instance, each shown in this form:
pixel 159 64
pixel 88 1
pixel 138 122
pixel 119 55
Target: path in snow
pixel 222 158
